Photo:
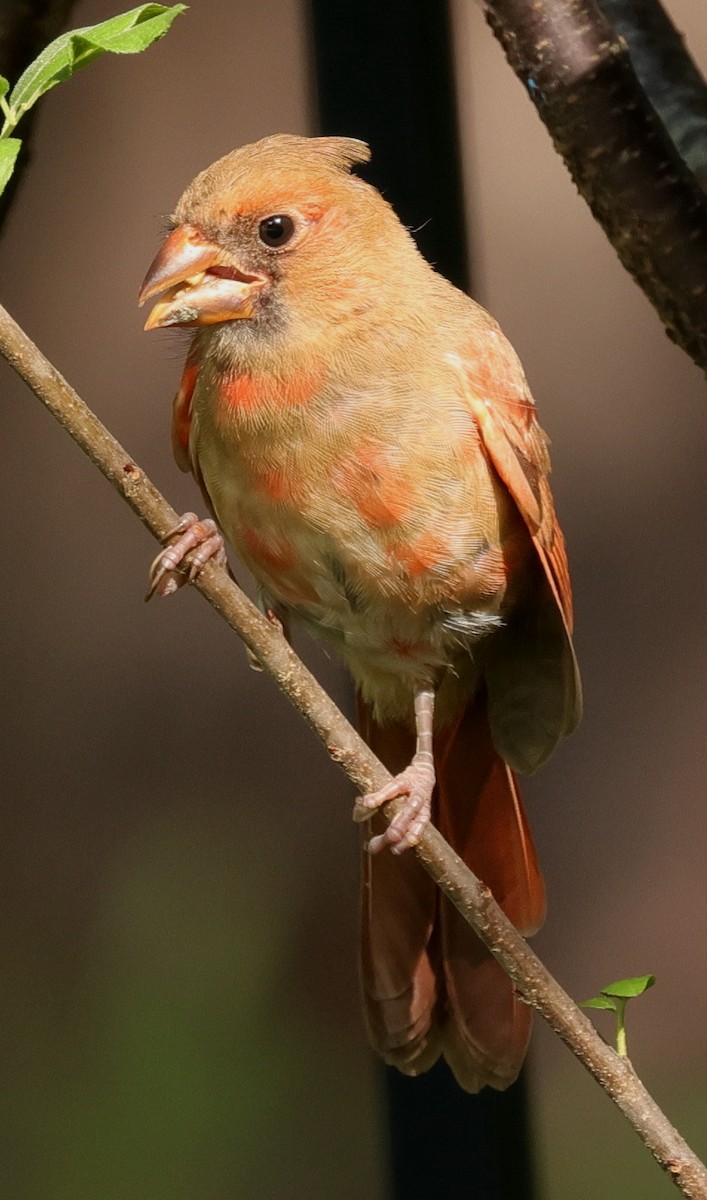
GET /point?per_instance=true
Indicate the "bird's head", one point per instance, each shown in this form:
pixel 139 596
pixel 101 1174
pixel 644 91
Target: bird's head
pixel 276 231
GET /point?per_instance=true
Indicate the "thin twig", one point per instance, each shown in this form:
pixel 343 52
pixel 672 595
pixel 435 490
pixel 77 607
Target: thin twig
pixel 472 898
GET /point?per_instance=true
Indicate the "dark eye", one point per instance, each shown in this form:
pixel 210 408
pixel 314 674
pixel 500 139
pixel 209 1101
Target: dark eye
pixel 276 231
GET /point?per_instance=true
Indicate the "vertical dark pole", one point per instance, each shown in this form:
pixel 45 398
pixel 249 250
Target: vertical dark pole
pixel 447 1144
pixel 384 73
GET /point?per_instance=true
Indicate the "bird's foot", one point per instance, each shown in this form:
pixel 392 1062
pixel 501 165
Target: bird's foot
pixel 200 540
pixel 415 784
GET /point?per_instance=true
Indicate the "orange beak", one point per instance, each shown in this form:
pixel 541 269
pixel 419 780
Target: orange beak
pixel 201 284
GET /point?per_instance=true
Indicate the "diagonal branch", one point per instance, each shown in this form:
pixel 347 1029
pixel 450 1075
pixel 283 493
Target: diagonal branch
pixel 578 73
pixel 471 897
pixel 668 74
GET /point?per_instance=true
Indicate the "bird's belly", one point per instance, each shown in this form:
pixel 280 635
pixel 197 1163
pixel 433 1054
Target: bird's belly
pixel 397 612
pixel 403 592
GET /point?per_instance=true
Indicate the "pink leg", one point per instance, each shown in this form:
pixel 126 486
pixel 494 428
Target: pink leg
pixel 416 783
pixel 200 540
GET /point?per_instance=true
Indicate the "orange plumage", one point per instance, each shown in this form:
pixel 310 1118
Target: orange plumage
pixel 366 440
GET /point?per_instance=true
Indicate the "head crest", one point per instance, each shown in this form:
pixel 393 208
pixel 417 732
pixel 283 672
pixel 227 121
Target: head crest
pixel 272 167
pixel 343 152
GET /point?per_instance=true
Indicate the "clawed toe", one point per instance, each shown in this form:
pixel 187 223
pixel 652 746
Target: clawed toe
pixel 415 786
pixel 200 540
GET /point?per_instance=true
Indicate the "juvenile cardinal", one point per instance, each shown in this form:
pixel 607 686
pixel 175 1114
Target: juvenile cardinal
pixel 364 436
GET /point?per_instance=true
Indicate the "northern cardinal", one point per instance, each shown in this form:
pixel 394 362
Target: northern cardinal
pixel 365 438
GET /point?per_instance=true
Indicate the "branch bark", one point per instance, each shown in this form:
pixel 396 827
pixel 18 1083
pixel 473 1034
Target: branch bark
pixel 471 897
pixel 668 74
pixel 578 73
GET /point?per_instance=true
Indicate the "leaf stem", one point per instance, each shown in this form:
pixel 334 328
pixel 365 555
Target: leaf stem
pixel 10 121
pixel 621 1044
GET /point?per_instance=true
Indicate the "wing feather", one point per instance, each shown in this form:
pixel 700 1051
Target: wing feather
pixel 532 675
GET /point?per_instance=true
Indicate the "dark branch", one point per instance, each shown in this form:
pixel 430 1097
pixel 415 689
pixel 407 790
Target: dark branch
pixel 579 75
pixel 671 80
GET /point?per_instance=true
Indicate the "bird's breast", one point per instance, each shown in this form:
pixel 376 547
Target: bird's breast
pixel 387 533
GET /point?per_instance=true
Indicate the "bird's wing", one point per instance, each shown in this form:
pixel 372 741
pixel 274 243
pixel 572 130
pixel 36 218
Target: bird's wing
pixel 495 388
pixel 531 671
pixel 182 414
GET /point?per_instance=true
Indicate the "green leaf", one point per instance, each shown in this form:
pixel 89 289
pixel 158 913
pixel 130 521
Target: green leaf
pixel 615 997
pixel 128 33
pixel 9 149
pixel 599 1002
pixel 629 987
pixel 4 85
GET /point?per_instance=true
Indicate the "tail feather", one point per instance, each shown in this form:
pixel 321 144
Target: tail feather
pixel 486 1031
pixel 430 986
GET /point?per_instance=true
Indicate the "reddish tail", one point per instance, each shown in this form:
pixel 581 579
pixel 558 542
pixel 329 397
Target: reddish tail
pixel 430 986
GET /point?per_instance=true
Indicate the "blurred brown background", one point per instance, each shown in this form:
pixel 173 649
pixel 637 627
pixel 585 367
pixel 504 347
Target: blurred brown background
pixel 177 982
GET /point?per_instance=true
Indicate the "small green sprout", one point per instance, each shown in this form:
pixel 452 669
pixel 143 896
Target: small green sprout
pixel 128 33
pixel 615 997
